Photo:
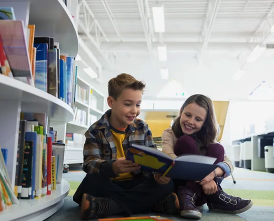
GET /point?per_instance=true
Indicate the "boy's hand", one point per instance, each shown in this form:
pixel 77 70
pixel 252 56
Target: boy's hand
pixel 161 180
pixel 210 187
pixel 124 166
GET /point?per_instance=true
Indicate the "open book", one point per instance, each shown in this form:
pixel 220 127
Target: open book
pixel 185 167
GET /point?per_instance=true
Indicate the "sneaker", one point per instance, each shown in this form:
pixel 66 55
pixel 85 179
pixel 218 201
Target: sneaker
pixel 94 207
pixel 187 200
pixel 168 205
pixel 223 202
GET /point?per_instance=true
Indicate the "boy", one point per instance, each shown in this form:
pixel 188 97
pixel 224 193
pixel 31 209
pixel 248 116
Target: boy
pixel 113 184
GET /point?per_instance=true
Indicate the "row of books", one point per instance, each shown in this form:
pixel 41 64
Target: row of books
pixel 81 94
pixel 37 61
pixel 80 116
pixel 39 162
pixel 75 139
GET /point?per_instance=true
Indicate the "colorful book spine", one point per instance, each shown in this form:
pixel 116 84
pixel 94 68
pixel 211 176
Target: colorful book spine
pixel 32 136
pixel 52 73
pixel 5 155
pixel 70 80
pixel 53 177
pixel 41 66
pixel 27 171
pixel 4 63
pixel 63 80
pixel 49 170
pixel 20 159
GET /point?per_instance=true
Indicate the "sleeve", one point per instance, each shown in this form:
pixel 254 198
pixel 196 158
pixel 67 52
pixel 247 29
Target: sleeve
pixel 167 143
pixel 93 162
pixel 148 138
pixel 226 166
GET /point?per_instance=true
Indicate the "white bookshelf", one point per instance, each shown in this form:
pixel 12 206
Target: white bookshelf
pixel 51 18
pixel 38 209
pixel 74 153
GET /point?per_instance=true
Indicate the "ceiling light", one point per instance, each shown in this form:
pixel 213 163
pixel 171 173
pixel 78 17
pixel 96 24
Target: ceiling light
pixel 256 53
pixel 262 92
pixel 78 58
pixel 164 73
pixel 238 75
pixel 90 72
pixel 162 55
pixel 158 18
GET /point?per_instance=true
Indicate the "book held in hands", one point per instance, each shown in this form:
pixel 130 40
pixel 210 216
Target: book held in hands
pixel 185 167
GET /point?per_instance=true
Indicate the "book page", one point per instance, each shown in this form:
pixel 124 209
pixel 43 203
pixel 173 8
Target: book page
pixel 196 159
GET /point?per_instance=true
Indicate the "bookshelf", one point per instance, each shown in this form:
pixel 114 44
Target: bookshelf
pixel 74 152
pixel 53 19
pixel 32 210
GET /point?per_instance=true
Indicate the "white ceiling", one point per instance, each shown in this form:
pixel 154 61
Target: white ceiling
pixel 221 32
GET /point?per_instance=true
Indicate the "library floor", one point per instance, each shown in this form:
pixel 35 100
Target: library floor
pixel 258 186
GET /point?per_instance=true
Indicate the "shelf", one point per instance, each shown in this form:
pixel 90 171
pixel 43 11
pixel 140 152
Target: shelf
pixel 81 82
pixel 78 125
pixel 34 100
pixel 96 112
pixel 37 209
pixel 81 104
pixel 52 18
pixel 73 155
pixel 254 135
pixel 76 128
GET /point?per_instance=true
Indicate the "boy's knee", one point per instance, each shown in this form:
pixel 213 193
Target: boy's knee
pixel 166 189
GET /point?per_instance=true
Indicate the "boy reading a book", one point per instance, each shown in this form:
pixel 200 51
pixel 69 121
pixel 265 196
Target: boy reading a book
pixel 113 184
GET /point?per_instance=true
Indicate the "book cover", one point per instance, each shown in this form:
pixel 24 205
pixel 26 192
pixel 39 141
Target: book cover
pixel 14 43
pixel 63 80
pixel 7 13
pixel 53 173
pixel 4 63
pixel 185 167
pixel 70 79
pixel 52 72
pixel 39 161
pixel 41 66
pixel 27 171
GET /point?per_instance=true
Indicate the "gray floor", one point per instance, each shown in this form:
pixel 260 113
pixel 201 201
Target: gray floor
pixel 245 179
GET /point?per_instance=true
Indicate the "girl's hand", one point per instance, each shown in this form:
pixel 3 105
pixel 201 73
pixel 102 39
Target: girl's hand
pixel 161 180
pixel 210 187
pixel 208 178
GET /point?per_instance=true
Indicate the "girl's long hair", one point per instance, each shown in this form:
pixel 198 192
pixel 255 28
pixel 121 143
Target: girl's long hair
pixel 210 129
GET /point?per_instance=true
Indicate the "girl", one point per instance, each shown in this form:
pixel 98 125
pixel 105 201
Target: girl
pixel 195 132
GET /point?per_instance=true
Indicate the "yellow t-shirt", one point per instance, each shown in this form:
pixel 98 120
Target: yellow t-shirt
pixel 118 137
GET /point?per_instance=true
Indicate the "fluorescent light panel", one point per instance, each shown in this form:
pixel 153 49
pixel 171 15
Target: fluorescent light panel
pixel 90 72
pixel 162 55
pixel 164 73
pixel 158 18
pixel 238 75
pixel 256 53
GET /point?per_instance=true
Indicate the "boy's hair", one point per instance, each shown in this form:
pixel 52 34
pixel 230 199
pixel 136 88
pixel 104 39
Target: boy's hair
pixel 123 81
pixel 209 132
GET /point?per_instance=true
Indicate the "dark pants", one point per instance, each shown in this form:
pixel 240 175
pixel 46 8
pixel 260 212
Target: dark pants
pixel 134 196
pixel 187 145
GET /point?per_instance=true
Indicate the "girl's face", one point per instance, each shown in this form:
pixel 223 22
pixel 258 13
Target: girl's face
pixel 192 118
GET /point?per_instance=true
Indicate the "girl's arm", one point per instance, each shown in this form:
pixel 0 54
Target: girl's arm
pixel 168 144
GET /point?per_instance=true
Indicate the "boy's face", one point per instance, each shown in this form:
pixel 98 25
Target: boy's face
pixel 126 108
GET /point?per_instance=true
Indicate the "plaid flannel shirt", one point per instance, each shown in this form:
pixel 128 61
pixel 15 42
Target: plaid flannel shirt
pixel 100 148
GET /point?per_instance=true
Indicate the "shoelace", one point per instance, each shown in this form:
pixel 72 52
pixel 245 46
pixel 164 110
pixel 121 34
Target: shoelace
pixel 160 207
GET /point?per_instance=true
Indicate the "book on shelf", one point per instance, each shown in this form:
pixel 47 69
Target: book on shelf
pixel 4 154
pixel 7 13
pixel 41 66
pixel 16 49
pixel 185 167
pixel 20 158
pixel 4 63
pixel 58 150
